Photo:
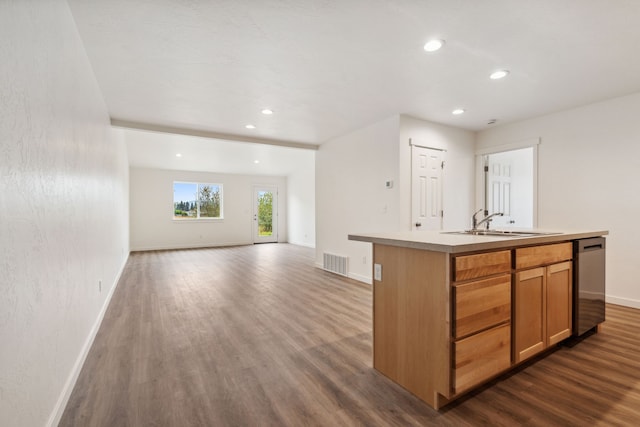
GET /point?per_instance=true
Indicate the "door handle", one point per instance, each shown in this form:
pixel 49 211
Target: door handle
pixel 418 224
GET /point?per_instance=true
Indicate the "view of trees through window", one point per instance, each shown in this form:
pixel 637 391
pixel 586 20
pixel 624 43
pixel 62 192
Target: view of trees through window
pixel 265 213
pixel 195 201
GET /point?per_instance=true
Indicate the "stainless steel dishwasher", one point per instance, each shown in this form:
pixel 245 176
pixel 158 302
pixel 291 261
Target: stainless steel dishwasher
pixel 588 284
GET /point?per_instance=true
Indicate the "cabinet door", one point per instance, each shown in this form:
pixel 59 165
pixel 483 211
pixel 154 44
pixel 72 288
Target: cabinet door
pixel 529 313
pixel 559 290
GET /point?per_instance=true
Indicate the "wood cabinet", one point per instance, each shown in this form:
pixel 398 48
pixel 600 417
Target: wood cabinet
pixel 411 342
pixel 481 332
pixel 481 265
pixel 481 307
pixel 542 298
pixel 481 356
pixel 559 302
pixel 529 313
pixel 481 304
pixel 445 323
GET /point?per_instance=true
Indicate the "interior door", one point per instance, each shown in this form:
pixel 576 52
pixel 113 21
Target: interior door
pixel 509 181
pixel 426 188
pixel 499 190
pixel 265 214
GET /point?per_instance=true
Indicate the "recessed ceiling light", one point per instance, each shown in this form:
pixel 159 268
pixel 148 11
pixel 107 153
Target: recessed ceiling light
pixel 496 75
pixel 267 111
pixel 457 111
pixel 256 161
pixel 178 155
pixel 250 126
pixel 433 45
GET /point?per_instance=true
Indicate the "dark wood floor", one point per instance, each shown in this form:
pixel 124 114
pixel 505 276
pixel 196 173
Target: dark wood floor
pixel 257 336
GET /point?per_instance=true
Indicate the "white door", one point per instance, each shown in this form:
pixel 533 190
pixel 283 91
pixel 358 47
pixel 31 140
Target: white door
pixel 499 190
pixel 265 214
pixel 426 188
pixel 509 187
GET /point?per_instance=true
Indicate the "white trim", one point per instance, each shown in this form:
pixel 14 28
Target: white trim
pixel 525 143
pixel 306 245
pixel 360 278
pixel 189 246
pixel 626 302
pixel 411 143
pixel 354 276
pixel 63 399
pixel 127 124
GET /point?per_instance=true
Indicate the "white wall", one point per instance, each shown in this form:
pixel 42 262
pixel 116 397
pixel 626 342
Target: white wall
pixel 351 197
pixel 151 213
pixel 301 204
pixel 458 175
pixel 588 174
pixel 351 171
pixel 63 209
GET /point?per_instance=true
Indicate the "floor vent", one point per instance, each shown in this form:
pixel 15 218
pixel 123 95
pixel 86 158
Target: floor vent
pixel 335 263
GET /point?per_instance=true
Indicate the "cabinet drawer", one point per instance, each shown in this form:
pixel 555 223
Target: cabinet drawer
pixel 480 265
pixel 480 357
pixel 543 255
pixel 481 304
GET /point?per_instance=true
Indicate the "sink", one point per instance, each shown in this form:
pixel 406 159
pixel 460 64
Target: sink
pixel 503 233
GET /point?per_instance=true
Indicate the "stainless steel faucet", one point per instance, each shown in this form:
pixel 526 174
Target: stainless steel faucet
pixel 486 220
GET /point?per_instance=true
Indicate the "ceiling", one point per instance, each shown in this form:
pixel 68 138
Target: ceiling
pixel 159 151
pixel 328 67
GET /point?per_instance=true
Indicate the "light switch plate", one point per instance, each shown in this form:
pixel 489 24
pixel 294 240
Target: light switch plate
pixel 377 272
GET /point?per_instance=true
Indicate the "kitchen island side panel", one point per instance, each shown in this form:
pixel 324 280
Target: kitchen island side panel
pixel 411 328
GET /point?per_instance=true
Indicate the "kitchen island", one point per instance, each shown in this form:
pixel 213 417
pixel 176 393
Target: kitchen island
pixel 453 311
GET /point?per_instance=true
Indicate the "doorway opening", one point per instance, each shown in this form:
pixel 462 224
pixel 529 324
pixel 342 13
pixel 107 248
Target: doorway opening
pixel 509 186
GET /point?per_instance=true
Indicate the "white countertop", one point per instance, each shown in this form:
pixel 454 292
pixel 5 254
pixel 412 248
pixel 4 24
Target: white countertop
pixel 443 241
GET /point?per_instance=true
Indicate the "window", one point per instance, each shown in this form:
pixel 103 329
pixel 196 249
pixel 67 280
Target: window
pixel 197 201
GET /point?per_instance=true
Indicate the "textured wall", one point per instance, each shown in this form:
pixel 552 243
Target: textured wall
pixel 63 208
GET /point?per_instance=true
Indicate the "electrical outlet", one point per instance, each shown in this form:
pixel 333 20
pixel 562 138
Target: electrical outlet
pixel 377 272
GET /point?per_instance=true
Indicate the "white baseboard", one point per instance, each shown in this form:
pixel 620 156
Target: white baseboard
pixel 63 399
pixel 361 278
pixel 627 302
pixel 187 246
pixel 306 245
pixel 354 276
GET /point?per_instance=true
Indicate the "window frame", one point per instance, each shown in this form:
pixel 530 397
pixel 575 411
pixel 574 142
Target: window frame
pixel 198 218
